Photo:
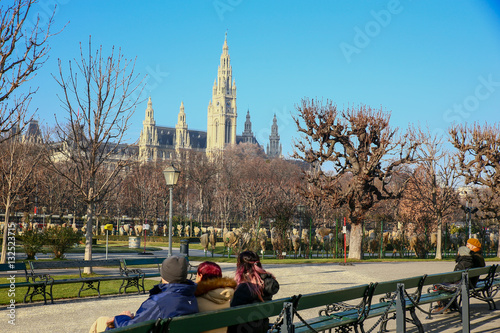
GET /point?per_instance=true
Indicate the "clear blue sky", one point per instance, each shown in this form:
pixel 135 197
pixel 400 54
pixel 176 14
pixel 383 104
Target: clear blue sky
pixel 434 62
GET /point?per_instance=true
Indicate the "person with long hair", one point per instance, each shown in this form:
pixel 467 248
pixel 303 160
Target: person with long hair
pixel 254 285
pixel 214 292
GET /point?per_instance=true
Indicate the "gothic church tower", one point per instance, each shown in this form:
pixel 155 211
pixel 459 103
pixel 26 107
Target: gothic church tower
pixel 148 141
pixel 221 119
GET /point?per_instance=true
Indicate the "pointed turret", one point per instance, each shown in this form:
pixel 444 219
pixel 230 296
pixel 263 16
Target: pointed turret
pixel 274 146
pixel 148 141
pixel 181 130
pixel 247 132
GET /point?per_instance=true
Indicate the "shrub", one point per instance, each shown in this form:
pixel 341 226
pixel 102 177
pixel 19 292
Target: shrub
pixel 33 242
pixel 60 240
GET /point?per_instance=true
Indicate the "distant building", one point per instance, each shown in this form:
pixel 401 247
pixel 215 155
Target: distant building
pixel 160 143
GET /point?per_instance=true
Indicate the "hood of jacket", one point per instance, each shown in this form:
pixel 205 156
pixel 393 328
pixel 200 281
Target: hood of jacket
pixel 218 290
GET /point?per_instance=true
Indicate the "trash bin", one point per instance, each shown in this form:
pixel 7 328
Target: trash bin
pixel 134 242
pixel 184 247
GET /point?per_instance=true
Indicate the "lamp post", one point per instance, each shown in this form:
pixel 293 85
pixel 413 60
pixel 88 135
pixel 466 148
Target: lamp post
pixel 171 176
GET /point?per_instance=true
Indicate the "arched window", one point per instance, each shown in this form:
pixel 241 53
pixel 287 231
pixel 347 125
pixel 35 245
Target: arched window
pixel 228 131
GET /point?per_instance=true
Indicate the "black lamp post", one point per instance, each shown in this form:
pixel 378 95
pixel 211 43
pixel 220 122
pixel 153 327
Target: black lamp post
pixel 171 176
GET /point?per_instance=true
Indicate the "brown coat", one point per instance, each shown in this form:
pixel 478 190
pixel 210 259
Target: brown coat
pixel 215 294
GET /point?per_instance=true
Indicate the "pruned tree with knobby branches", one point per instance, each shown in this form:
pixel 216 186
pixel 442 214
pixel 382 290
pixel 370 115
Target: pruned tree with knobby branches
pixel 478 161
pixel 359 143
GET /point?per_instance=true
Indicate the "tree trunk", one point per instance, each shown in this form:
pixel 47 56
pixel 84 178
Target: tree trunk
pixel 3 259
pixel 356 242
pixel 439 238
pixel 88 237
pixel 498 242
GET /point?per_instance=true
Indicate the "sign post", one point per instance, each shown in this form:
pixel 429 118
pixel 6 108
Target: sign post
pixel 108 228
pixel 145 229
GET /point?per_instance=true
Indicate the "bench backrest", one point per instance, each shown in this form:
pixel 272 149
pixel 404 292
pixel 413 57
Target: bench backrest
pixel 35 265
pixel 14 268
pixel 143 261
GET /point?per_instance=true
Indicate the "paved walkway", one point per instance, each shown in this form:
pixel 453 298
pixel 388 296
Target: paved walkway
pixel 78 315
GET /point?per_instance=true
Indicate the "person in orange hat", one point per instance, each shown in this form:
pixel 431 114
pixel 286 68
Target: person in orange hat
pixel 477 258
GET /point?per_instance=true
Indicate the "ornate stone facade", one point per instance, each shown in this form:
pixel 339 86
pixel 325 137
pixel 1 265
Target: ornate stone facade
pixel 160 143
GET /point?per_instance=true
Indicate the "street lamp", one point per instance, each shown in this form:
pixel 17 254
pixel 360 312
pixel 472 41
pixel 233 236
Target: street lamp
pixel 171 176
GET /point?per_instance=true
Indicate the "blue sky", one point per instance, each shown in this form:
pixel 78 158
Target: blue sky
pixel 434 62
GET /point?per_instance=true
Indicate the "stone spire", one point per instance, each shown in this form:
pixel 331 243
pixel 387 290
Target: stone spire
pixel 181 130
pixel 274 146
pixel 247 132
pixel 148 141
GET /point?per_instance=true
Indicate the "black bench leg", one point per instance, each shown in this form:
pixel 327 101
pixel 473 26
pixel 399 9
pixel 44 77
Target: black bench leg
pixel 27 294
pixel 121 286
pixel 50 294
pixel 414 320
pixel 142 285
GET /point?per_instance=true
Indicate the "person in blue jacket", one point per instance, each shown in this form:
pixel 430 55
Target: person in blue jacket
pixel 174 296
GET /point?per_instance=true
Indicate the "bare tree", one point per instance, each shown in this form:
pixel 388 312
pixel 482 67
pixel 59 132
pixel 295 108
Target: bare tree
pixel 98 106
pixel 201 172
pixel 478 161
pixel 17 162
pixel 357 142
pixel 435 182
pixel 23 50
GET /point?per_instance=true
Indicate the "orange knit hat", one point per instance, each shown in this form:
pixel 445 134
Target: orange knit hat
pixel 475 242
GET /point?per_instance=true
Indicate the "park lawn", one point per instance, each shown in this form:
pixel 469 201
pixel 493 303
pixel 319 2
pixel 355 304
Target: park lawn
pixel 112 248
pixel 100 248
pixel 70 290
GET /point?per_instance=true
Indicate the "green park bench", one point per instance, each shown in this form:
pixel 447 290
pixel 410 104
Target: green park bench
pixel 398 297
pixel 36 285
pixel 41 270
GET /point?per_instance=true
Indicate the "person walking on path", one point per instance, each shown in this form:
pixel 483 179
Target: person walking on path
pixel 214 292
pixel 174 296
pixel 254 285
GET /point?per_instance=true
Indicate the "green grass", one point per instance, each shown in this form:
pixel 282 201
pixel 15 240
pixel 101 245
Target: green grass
pixel 70 290
pixel 115 247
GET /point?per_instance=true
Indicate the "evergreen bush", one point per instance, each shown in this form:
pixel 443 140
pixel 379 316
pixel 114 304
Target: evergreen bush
pixel 60 240
pixel 33 242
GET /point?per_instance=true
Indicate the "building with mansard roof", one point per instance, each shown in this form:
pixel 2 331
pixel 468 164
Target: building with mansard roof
pixel 160 143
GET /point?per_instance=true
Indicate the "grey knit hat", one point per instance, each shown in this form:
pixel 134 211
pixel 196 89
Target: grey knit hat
pixel 463 251
pixel 174 269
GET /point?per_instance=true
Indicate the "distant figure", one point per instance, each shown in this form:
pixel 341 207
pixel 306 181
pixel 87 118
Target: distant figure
pixel 214 292
pixel 464 259
pixel 468 256
pixel 254 285
pixel 477 258
pixel 174 296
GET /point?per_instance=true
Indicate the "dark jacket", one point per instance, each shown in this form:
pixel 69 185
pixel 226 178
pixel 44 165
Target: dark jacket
pixel 463 263
pixel 243 295
pixel 477 261
pixel 164 301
